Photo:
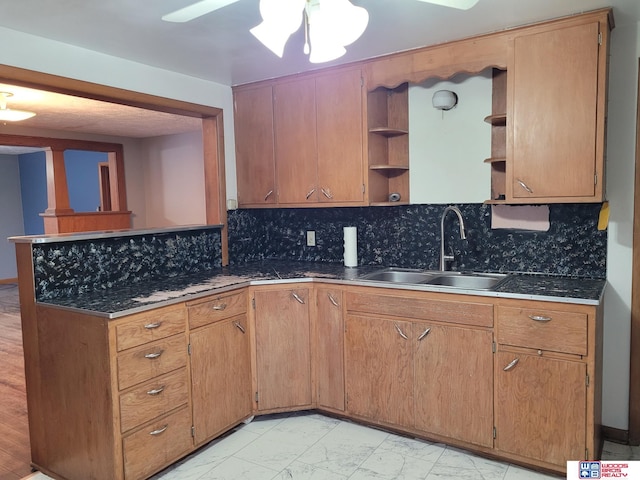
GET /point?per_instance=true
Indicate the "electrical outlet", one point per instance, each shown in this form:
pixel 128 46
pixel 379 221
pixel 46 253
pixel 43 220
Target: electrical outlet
pixel 311 238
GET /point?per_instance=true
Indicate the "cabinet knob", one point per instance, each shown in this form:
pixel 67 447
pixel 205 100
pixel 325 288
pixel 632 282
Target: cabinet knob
pixel 153 356
pixel 156 391
pixel 326 193
pixel 424 334
pixel 297 297
pixel 524 185
pixel 512 364
pixel 268 195
pixel 540 318
pixel 151 326
pixel 222 306
pixel 310 193
pixel 400 332
pixel 239 327
pixel 332 300
pixel 159 430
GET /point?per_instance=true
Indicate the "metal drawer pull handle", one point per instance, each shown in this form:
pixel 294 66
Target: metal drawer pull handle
pixel 297 297
pixel 156 391
pixel 268 195
pixel 326 193
pixel 160 430
pixel 424 334
pixel 152 356
pixel 513 363
pixel 540 318
pixel 151 326
pixel 400 332
pixel 310 193
pixel 524 185
pixel 220 307
pixel 239 327
pixel 332 300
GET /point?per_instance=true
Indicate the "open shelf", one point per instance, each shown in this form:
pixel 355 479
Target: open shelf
pixel 499 119
pixel 389 167
pixel 388 132
pixel 388 142
pixel 498 122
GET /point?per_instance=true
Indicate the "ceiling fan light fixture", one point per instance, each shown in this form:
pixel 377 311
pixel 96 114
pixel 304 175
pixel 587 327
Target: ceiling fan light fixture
pixel 280 18
pixel 333 24
pixel 9 115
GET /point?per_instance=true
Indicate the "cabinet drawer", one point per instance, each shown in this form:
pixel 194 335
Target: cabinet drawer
pixel 143 363
pixel 149 326
pixel 464 313
pixel 543 329
pixel 217 308
pixel 157 445
pixel 153 399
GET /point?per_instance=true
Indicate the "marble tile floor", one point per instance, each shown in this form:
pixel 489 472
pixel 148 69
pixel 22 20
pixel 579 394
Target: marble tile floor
pixel 310 446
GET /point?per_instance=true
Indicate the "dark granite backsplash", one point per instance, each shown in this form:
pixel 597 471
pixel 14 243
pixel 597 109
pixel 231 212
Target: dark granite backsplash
pixel 409 236
pixel 68 269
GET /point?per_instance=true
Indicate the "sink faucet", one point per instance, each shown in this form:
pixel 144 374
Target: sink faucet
pixel 445 258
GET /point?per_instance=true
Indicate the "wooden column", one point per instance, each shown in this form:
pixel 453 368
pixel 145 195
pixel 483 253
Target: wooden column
pixel 57 190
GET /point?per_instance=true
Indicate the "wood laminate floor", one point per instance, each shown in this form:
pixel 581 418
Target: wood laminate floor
pixel 14 433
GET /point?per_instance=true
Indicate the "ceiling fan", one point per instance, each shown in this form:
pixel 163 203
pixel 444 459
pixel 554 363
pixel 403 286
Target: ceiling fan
pixel 330 25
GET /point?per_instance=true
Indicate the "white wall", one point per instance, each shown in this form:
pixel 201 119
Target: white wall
pixel 621 137
pixel 447 148
pixel 174 180
pixel 11 223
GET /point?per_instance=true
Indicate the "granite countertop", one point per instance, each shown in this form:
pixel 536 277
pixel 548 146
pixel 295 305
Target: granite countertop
pixel 137 297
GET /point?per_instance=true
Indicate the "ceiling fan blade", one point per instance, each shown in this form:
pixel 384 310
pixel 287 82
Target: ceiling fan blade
pixel 196 10
pixel 459 4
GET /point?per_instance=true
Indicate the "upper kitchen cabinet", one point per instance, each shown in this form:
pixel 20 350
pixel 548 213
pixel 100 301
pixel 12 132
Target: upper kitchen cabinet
pixel 300 141
pixel 556 108
pixel 318 139
pixel 255 160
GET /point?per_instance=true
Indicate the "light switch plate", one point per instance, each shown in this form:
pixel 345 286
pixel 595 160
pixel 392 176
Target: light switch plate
pixel 311 238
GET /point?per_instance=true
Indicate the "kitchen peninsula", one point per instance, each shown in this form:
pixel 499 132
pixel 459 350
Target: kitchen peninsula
pixel 145 348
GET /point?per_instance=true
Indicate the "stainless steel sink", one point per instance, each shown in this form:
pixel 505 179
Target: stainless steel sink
pixel 468 281
pixel 399 275
pixel 471 281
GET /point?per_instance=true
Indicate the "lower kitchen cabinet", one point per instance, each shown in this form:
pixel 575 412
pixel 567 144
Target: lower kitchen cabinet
pixel 283 349
pixel 516 379
pixel 379 369
pixel 220 365
pixel 541 407
pixel 328 351
pixel 548 382
pixel 454 382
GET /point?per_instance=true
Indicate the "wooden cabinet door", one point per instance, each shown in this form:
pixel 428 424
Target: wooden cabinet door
pixel 295 141
pixel 220 376
pixel 339 137
pixel 329 351
pixel 283 358
pixel 255 161
pixel 454 382
pixel 379 369
pixel 540 410
pixel 554 117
